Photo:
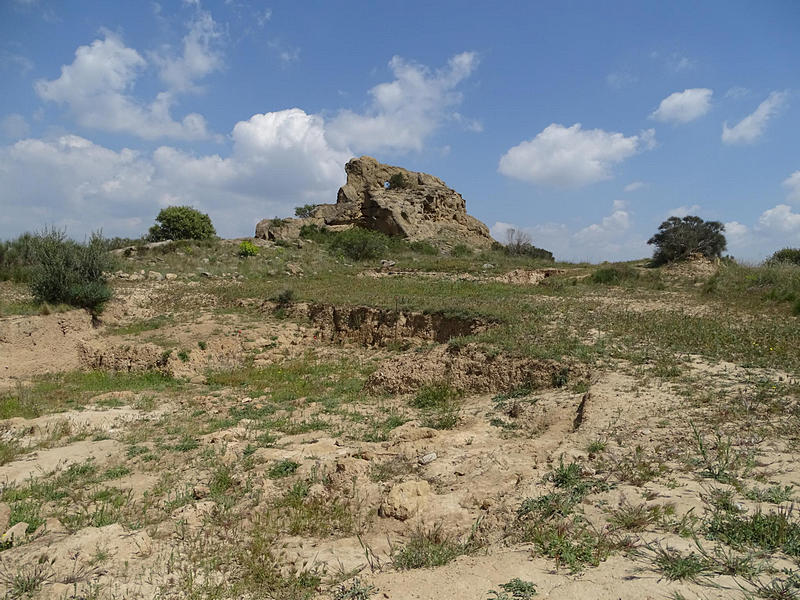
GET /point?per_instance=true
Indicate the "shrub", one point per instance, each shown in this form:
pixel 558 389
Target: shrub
pixel 305 211
pixel 614 274
pixel 66 272
pixel 284 299
pixel 423 248
pixel 248 248
pixel 460 250
pixel 16 258
pixel 360 244
pixel 181 223
pixel 786 255
pixel 677 239
pixel 398 182
pixel 519 244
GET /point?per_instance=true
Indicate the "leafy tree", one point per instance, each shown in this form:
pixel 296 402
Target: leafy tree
pixel 677 239
pixel 181 223
pixel 305 211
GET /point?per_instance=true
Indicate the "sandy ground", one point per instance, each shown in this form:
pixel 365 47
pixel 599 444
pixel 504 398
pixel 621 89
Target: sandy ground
pixel 471 478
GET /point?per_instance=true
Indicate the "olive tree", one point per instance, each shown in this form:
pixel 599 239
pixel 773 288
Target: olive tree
pixel 677 239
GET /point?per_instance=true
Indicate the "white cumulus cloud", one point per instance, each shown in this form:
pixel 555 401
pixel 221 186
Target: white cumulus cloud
pixel 403 113
pixel 279 160
pixel 201 55
pixel 685 106
pixel 780 219
pixel 63 180
pixel 793 184
pixel 571 156
pixel 753 125
pixel 96 87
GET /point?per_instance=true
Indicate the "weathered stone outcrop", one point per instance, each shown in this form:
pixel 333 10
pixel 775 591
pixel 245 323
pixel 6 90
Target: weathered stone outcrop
pixel 394 201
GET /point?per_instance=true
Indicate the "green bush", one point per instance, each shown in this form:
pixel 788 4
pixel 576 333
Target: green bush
pixel 248 248
pixel 16 258
pixel 423 248
pixel 398 182
pixel 460 251
pixel 677 239
pixel 360 244
pixel 614 274
pixel 66 272
pixel 787 255
pixel 181 223
pixel 305 211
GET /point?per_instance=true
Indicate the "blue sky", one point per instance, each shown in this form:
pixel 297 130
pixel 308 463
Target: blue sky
pixel 585 124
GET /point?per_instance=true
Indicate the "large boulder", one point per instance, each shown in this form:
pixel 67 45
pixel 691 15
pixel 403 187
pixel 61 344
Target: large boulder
pixel 394 201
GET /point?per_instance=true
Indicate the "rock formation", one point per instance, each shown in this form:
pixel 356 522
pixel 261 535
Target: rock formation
pixel 394 201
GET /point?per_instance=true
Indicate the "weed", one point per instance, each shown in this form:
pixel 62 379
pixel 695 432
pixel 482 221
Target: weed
pixel 183 355
pixel 397 466
pixel 430 548
pixel 440 404
pixel 27 580
pixel 637 467
pixel 721 461
pixel 560 378
pixel 635 517
pixel 775 494
pixel 676 566
pixel 516 589
pixel 282 469
pixel 202 345
pixel 435 395
pixel 772 531
pixel 572 543
pixel 596 447
pixel 355 590
pixel 115 472
pixel 187 444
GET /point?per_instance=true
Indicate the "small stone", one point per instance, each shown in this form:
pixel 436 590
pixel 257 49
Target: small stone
pixel 16 534
pixel 294 269
pixel 488 266
pixel 154 276
pixel 388 263
pixel 428 458
pixel 170 276
pixel 205 260
pixel 198 379
pixel 205 274
pixel 51 525
pixel 200 491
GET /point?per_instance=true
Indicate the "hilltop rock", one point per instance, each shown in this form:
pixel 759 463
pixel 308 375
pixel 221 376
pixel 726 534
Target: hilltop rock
pixel 394 201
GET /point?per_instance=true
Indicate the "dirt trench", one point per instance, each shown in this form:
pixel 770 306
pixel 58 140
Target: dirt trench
pixel 378 327
pixel 472 368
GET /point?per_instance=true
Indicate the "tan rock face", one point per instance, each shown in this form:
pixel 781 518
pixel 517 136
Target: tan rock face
pixel 394 201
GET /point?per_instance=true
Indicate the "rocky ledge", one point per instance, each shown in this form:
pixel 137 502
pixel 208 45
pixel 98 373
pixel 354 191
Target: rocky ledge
pixel 394 201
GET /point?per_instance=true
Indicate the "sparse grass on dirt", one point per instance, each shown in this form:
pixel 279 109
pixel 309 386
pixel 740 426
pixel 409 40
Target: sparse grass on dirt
pixel 255 463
